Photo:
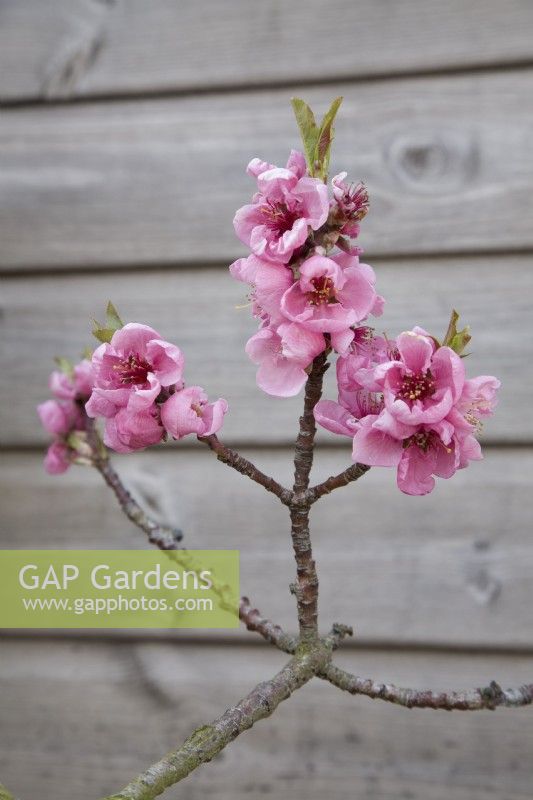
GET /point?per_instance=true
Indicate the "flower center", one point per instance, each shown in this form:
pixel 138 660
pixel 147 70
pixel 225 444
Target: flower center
pixel 355 201
pixel 133 369
pixel 471 416
pixel 417 387
pixel 278 216
pixel 323 291
pixel 423 440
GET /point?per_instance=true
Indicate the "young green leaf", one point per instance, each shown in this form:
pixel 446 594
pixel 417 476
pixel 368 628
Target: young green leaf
pixel 104 333
pixel 112 317
pixel 325 138
pixel 454 339
pixel 101 333
pixel 309 130
pixel 316 140
pixel 65 366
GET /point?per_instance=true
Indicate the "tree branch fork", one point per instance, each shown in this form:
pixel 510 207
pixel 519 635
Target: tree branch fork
pixel 311 654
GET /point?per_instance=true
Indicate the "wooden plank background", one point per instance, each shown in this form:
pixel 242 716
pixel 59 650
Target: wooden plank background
pixel 84 48
pixel 447 161
pixel 124 134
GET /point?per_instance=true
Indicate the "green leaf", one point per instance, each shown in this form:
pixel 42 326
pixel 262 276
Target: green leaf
pixel 112 317
pixel 104 333
pixel 325 138
pixel 316 140
pixel 87 353
pixel 4 794
pixel 66 366
pixel 454 339
pixel 309 130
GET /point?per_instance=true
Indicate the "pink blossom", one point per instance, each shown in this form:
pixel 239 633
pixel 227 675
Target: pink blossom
pixel 270 284
pixel 283 354
pixel 286 205
pixel 131 371
pixel 350 204
pixel 425 453
pixel 356 369
pixel 188 411
pixel 58 458
pixel 76 386
pixel 478 398
pixel 429 417
pixel 407 404
pixel 332 294
pixel 423 383
pixel 336 418
pixel 357 389
pixel 60 417
pixel 129 430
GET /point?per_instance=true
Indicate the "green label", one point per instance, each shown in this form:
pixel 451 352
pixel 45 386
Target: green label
pixel 119 589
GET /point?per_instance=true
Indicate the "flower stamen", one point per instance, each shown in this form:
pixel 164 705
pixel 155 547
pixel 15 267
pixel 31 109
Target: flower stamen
pixel 417 387
pixel 133 369
pixel 323 291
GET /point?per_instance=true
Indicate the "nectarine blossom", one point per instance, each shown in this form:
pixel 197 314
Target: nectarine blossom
pixel 287 204
pixel 188 411
pixel 131 370
pixel 77 384
pixel 296 276
pixel 64 415
pixel 332 294
pixel 283 354
pixel 349 205
pixel 415 411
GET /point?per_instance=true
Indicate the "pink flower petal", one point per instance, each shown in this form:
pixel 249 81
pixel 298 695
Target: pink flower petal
pixel 375 448
pixel 415 350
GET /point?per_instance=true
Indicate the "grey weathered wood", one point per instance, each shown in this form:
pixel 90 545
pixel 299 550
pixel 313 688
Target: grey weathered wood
pixel 79 48
pixel 49 316
pixel 446 159
pixel 81 720
pixel 453 568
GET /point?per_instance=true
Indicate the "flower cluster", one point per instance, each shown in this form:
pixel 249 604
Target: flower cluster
pixel 63 416
pixel 134 382
pixel 408 404
pixel 405 403
pixel 138 389
pixel 308 288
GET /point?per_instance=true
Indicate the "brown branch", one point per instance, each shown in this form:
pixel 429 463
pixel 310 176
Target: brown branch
pixel 166 538
pixel 305 441
pixel 352 473
pixel 163 536
pixel 306 589
pixel 337 634
pixel 206 742
pixel 269 630
pixel 245 467
pixel 489 697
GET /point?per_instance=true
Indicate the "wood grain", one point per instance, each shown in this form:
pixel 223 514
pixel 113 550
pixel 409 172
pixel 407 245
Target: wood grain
pixel 80 720
pixel 454 568
pixel 79 48
pixel 446 160
pixel 47 316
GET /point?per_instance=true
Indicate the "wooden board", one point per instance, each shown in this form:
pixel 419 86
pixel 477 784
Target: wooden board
pixel 454 568
pixel 447 162
pixel 81 720
pixel 47 316
pixel 78 48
